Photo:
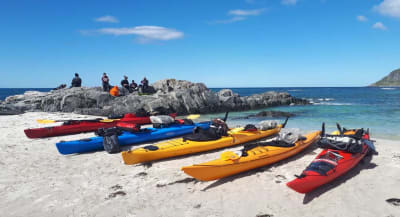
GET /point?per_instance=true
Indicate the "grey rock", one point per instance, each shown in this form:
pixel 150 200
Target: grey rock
pixel 169 95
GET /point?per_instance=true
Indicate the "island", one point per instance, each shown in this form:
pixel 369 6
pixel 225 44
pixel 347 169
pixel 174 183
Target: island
pixel 391 80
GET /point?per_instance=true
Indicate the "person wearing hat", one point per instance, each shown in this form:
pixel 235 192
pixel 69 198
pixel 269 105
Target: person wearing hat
pixel 76 81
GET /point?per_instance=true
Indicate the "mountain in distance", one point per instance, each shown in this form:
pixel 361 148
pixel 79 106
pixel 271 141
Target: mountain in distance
pixel 391 80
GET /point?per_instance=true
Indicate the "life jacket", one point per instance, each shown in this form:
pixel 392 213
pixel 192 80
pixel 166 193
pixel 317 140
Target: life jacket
pixel 114 91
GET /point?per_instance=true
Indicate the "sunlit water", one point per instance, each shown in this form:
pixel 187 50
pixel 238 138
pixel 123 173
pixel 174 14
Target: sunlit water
pixel 352 107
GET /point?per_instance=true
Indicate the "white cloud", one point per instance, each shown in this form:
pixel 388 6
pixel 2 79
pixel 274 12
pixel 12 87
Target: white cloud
pixel 232 20
pixel 146 33
pixel 240 12
pixel 107 19
pixel 289 2
pixel 389 8
pixel 362 18
pixel 379 25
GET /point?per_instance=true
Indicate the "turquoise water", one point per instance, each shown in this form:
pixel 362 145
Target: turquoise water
pixel 353 107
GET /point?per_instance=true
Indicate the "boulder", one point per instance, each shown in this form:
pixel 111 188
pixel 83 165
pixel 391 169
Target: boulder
pixel 167 96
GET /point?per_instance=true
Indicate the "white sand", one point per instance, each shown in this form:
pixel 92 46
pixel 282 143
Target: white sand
pixel 35 180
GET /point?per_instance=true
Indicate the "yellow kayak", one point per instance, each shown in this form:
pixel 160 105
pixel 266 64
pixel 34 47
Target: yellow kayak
pixel 179 147
pixel 230 163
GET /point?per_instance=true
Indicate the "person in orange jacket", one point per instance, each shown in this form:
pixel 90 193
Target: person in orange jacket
pixel 114 91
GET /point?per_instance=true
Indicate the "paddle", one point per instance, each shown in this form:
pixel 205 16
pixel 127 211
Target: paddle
pixel 284 124
pixel 339 128
pixel 323 129
pixel 226 116
pixel 192 117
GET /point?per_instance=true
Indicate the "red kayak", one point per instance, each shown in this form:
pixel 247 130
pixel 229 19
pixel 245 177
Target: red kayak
pixel 81 126
pixel 328 165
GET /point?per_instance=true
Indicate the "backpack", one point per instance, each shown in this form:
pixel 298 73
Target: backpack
pixel 218 128
pixel 110 139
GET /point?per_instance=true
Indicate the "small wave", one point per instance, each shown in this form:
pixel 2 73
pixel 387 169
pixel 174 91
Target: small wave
pixel 326 99
pixel 332 103
pixel 295 90
pixel 388 88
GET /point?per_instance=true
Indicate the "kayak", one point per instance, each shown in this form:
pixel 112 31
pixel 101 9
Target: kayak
pixel 181 146
pixel 82 126
pixel 129 138
pixel 231 163
pixel 329 165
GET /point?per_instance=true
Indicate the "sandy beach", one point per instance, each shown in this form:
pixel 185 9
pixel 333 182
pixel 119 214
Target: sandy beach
pixel 35 180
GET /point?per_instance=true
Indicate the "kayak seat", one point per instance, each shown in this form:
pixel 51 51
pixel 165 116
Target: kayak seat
pixel 321 167
pixel 151 147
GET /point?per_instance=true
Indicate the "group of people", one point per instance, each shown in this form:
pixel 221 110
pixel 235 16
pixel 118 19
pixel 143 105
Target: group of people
pixel 126 86
pixel 133 86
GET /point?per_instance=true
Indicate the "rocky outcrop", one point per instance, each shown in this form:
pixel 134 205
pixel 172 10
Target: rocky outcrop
pixel 170 95
pixel 391 80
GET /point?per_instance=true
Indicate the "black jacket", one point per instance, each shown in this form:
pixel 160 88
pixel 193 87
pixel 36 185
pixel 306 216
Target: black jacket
pixel 76 82
pixel 125 83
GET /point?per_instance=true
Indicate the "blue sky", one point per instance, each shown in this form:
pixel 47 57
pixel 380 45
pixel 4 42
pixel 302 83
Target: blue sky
pixel 224 43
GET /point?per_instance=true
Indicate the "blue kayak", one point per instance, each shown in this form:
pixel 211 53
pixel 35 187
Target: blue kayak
pixel 127 138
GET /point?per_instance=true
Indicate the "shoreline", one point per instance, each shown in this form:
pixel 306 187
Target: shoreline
pixel 36 177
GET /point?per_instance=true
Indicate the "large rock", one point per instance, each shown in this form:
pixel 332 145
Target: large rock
pixel 170 95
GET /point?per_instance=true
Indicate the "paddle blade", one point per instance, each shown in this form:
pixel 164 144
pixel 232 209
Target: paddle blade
pixel 192 117
pixel 284 124
pixel 108 120
pixel 226 116
pixel 323 129
pixel 41 121
pixel 339 128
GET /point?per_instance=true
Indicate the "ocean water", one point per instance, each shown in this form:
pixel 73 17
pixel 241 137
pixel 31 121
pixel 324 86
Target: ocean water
pixel 353 107
pixel 4 92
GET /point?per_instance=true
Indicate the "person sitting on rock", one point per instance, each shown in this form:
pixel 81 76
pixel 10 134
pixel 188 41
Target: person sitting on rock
pixel 62 86
pixel 76 81
pixel 145 83
pixel 105 82
pixel 133 86
pixel 125 82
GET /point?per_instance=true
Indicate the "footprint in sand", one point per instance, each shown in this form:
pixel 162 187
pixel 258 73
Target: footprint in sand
pixel 280 178
pixel 114 194
pixel 264 215
pixel 116 187
pixel 117 193
pixel 394 201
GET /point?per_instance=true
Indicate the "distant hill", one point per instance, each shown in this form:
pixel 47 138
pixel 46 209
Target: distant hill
pixel 393 79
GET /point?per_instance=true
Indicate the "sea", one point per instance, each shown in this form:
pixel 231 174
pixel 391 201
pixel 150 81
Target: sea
pixel 376 108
